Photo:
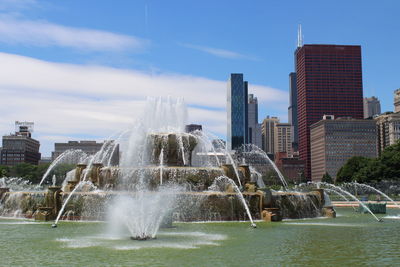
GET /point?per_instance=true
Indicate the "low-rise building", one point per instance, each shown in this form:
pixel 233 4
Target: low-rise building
pixel 89 147
pixel 334 141
pixel 291 167
pixel 388 129
pixel 20 147
pixel 397 100
pixel 193 127
pixel 372 107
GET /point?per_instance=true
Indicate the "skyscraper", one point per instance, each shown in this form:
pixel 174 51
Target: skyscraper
pixel 372 107
pixel 292 110
pixel 254 128
pixel 268 129
pixel 329 81
pixel 283 138
pixel 236 108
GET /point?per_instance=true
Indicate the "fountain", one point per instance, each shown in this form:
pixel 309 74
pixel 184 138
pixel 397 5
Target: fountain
pixel 165 175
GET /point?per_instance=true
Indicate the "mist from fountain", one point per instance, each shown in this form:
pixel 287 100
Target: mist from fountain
pixel 141 213
pixel 216 187
pixel 339 194
pixel 341 190
pixel 252 152
pixel 100 156
pixel 377 191
pixel 70 156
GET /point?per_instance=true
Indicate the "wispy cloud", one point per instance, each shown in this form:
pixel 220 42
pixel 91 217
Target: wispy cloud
pixel 79 100
pixel 219 52
pixel 41 33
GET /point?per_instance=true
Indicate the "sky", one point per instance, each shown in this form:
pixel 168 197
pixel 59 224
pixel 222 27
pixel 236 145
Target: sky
pixel 83 69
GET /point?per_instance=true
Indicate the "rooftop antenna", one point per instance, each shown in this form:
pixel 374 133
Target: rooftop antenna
pixel 299 37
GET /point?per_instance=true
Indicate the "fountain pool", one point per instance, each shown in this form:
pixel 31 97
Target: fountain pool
pixel 350 239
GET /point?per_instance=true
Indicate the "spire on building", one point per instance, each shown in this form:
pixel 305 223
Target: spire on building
pixel 299 37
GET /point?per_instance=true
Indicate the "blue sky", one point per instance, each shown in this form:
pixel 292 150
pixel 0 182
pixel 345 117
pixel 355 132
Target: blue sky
pixel 82 69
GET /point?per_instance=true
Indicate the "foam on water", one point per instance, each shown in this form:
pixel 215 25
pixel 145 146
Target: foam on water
pixel 177 240
pixel 396 217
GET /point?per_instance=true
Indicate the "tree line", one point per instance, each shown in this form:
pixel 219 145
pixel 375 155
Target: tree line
pixel 366 170
pixel 34 173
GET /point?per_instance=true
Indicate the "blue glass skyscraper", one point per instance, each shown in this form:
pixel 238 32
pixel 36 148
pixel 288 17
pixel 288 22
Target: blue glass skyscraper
pixel 237 111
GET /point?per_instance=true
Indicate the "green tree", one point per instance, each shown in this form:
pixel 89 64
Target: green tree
pixel 60 171
pixel 390 162
pixel 347 172
pixel 26 171
pixel 326 178
pixel 4 171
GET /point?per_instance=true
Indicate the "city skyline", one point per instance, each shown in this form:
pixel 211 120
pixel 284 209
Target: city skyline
pixel 84 77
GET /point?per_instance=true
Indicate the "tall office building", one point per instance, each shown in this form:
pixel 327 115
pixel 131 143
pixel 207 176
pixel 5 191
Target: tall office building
pixel 283 138
pixel 397 100
pixel 292 110
pixel 20 147
pixel 268 134
pixel 329 81
pixel 236 110
pixel 254 128
pixel 372 107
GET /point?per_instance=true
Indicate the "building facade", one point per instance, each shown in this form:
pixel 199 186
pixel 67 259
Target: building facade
pixel 329 81
pixel 268 134
pixel 292 110
pixel 397 100
pixel 388 129
pixel 283 138
pixel 291 167
pixel 20 147
pixel 254 128
pixel 193 127
pixel 372 107
pixel 333 142
pixel 89 147
pixel 236 111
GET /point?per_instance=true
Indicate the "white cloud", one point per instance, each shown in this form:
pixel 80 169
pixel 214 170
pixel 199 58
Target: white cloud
pixel 219 52
pixel 41 33
pixel 67 100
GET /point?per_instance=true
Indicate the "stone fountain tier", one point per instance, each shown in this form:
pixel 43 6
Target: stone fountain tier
pixel 189 206
pixel 22 203
pixel 175 148
pixel 297 205
pixel 197 178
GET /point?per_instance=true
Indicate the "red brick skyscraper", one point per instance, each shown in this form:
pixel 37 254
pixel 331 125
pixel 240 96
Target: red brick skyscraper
pixel 329 82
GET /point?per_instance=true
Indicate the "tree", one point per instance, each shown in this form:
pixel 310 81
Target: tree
pixel 347 172
pixel 60 171
pixel 25 170
pixel 4 170
pixel 390 162
pixel 326 178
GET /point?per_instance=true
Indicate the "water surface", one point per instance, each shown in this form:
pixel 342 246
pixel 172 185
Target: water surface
pixel 350 239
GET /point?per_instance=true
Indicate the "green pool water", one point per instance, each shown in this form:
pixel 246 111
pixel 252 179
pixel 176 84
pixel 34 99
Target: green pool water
pixel 351 239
